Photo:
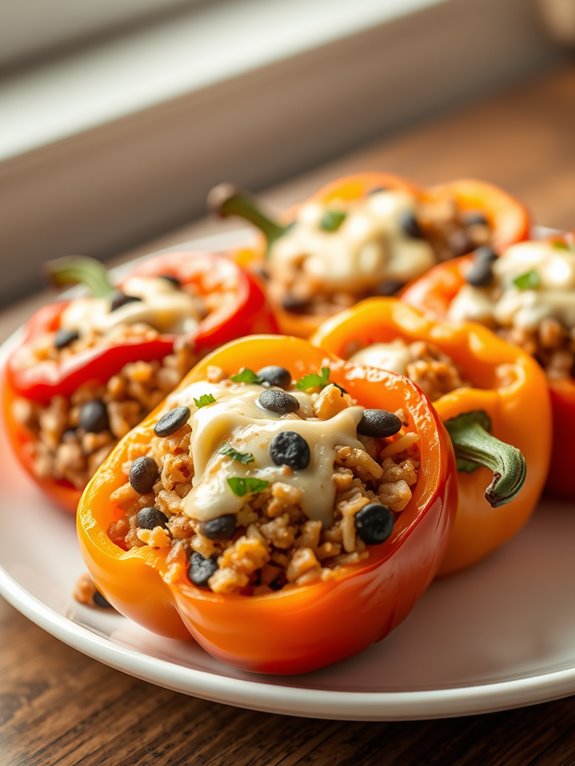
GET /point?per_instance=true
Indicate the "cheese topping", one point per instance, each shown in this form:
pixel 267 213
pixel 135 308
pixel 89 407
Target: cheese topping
pixel 532 281
pixel 394 356
pixel 163 306
pixel 237 419
pixel 369 246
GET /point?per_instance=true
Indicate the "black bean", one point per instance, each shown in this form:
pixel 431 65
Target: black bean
pixel 295 305
pixel 279 402
pixel 65 337
pixel 275 376
pixel 201 568
pixel 291 449
pixel 150 518
pixel 93 417
pixel 172 421
pixel 143 474
pixel 374 523
pixel 410 226
pixel 378 423
pixel 481 272
pixel 220 528
pixel 475 218
pixel 100 601
pixel 388 287
pixel 120 299
pixel 172 280
pixel 69 435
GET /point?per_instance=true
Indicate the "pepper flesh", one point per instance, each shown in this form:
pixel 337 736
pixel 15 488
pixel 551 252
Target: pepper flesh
pixel 433 293
pixel 511 407
pixel 507 217
pixel 208 272
pixel 300 627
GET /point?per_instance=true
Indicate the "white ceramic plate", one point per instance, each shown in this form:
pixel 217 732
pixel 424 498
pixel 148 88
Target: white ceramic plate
pixel 500 635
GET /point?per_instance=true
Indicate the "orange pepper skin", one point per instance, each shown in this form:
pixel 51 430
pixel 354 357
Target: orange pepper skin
pixel 509 219
pixel 248 313
pixel 299 628
pixel 433 293
pixel 479 354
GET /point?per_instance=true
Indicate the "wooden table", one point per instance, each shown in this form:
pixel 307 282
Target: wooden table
pixel 59 707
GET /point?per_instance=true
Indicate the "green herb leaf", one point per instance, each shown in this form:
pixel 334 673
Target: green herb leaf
pixel 332 220
pixel 313 380
pixel 242 486
pixel 241 457
pixel 246 376
pixel 204 400
pixel 528 281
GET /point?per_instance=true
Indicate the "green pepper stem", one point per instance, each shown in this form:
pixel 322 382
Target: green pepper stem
pixel 227 200
pixel 80 270
pixel 475 446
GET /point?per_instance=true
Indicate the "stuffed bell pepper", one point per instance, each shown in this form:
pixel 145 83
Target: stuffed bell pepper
pixel 526 296
pixel 489 394
pixel 90 367
pixel 367 235
pixel 282 507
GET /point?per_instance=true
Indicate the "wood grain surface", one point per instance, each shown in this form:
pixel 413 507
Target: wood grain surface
pixel 58 707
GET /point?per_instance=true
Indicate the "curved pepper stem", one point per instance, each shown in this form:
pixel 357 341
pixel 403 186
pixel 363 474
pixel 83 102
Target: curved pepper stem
pixel 80 270
pixel 227 200
pixel 475 446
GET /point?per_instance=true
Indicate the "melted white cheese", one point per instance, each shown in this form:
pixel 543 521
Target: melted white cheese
pixel 394 356
pixel 369 247
pixel 163 306
pixel 505 304
pixel 237 419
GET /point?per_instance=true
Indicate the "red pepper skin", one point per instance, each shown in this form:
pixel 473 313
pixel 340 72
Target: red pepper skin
pixel 433 294
pixel 248 313
pixel 299 628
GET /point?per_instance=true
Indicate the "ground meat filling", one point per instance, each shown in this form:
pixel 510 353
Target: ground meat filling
pixel 260 486
pixel 423 363
pixel 70 437
pixel 527 297
pixel 336 255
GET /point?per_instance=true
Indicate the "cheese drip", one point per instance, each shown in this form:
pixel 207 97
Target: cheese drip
pixel 506 305
pixel 394 356
pixel 369 247
pixel 163 306
pixel 237 419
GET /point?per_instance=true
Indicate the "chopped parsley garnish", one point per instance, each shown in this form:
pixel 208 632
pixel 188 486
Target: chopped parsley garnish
pixel 313 380
pixel 560 244
pixel 240 457
pixel 204 400
pixel 528 281
pixel 332 220
pixel 246 376
pixel 241 486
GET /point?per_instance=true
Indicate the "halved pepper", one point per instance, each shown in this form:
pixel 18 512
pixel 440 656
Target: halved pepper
pixel 41 380
pixel 507 217
pixel 301 627
pixel 505 384
pixel 434 292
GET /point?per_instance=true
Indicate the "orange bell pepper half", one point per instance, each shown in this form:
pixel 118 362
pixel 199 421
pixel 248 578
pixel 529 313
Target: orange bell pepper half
pixel 507 217
pixel 299 628
pixel 433 294
pixel 504 383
